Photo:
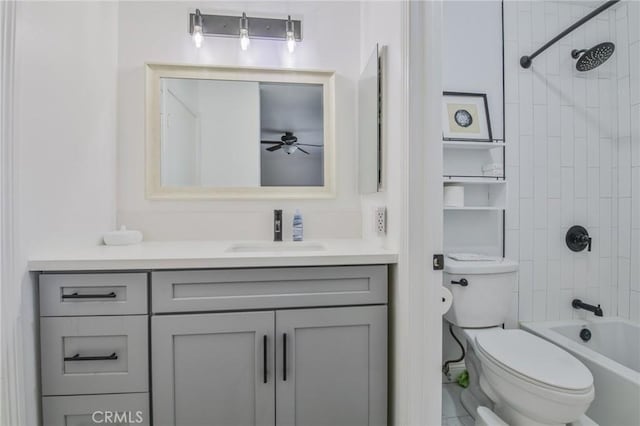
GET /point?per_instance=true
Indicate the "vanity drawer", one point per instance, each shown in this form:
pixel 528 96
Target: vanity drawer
pixel 93 294
pixel 84 355
pixel 232 289
pixel 87 410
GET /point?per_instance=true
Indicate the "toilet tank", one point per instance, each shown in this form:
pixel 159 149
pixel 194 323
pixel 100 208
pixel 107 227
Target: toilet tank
pixel 486 299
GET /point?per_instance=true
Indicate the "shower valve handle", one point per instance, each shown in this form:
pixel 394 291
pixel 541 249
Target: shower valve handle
pixel 578 239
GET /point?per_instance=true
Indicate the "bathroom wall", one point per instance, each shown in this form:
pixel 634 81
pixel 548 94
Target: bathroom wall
pixel 565 158
pixel 627 39
pixel 164 38
pixel 382 22
pixel 65 126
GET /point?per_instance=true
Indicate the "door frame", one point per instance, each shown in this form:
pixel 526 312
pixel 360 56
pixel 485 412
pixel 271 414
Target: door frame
pixel 12 399
pixel 418 355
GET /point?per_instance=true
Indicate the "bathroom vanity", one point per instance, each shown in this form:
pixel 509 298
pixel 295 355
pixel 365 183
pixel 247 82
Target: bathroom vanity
pixel 215 333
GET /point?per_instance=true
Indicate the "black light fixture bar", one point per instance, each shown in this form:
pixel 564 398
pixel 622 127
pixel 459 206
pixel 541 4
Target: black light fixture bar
pixel 525 61
pixel 259 28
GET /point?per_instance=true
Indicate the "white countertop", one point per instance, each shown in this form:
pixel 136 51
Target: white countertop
pixel 210 254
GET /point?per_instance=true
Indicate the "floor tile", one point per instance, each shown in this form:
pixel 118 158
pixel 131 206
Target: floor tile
pixel 451 404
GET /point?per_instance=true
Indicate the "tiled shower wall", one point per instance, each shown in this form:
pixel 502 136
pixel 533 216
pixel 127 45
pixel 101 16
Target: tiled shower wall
pixel 627 27
pixel 569 161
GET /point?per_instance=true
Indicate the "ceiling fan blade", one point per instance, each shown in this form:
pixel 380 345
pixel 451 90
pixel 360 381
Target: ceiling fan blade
pixel 278 142
pixel 308 144
pixel 274 148
pixel 300 149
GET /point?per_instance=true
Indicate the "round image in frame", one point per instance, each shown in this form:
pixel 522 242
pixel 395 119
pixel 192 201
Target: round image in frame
pixel 463 118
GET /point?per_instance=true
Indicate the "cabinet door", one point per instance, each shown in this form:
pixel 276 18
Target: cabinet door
pixel 331 366
pixel 213 369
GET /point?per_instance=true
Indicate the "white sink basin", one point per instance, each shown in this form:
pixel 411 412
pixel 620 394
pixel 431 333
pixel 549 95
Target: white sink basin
pixel 270 247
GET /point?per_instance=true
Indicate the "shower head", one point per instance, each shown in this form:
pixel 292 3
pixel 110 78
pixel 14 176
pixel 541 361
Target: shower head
pixel 594 57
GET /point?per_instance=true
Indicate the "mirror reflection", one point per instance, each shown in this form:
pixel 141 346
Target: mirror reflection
pixel 241 134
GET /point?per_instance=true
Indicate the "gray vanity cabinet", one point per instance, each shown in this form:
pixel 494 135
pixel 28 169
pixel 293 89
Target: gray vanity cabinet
pixel 331 366
pixel 303 346
pixel 213 369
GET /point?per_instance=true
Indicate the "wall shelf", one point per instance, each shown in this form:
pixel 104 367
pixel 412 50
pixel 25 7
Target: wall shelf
pixel 472 145
pixel 480 194
pixel 486 180
pixel 475 208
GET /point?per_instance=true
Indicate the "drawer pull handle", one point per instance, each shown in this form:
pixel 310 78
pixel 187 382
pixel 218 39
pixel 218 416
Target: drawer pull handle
pixel 77 357
pixel 75 295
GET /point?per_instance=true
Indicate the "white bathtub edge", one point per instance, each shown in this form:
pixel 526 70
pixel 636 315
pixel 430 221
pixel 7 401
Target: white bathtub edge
pixel 544 329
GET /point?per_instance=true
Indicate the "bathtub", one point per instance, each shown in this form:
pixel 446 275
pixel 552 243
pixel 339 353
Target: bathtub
pixel 613 356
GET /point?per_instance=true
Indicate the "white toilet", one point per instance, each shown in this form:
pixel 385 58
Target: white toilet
pixel 524 379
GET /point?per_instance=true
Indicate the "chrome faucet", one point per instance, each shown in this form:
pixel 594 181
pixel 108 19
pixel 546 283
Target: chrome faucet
pixel 578 304
pixel 277 225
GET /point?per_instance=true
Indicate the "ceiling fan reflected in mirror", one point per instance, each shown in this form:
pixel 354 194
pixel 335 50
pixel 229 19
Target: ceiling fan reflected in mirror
pixel 288 143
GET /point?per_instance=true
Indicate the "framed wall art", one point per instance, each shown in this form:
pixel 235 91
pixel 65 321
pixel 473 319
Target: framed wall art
pixel 465 117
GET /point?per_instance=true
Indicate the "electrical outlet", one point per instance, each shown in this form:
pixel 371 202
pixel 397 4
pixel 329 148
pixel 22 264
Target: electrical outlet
pixel 381 220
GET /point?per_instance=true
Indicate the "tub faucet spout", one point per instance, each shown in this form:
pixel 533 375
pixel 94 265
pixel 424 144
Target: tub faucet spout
pixel 578 304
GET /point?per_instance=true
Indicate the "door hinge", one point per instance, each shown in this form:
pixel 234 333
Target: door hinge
pixel 438 262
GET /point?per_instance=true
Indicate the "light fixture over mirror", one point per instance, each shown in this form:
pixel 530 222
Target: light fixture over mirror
pixel 245 28
pixel 228 133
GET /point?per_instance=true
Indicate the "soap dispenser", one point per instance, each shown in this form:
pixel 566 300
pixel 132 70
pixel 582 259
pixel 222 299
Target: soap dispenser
pixel 297 226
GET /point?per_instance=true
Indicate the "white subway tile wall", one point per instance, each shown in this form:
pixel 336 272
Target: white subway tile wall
pixel 573 157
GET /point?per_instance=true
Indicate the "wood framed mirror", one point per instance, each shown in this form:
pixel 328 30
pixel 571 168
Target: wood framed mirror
pixel 239 133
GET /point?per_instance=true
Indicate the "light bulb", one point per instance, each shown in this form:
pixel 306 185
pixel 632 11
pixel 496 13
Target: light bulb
pixel 291 38
pixel 198 37
pixel 291 42
pixel 244 32
pixel 245 41
pixel 197 34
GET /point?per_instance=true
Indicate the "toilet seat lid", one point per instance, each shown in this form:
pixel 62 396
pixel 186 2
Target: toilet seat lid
pixel 536 359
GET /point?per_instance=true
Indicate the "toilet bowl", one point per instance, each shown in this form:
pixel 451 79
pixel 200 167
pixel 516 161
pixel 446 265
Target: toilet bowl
pixel 523 379
pixel 532 381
